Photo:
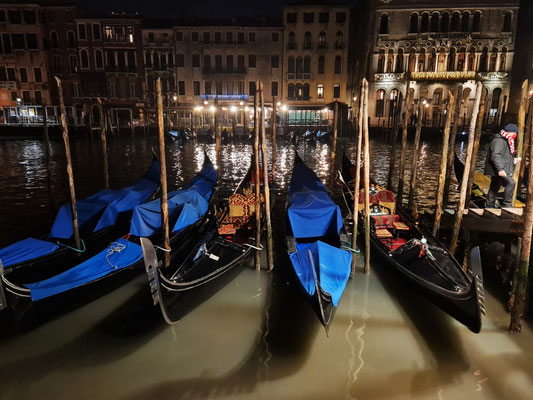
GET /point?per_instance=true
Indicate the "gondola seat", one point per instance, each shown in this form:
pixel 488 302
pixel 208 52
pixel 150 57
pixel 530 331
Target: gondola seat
pixel 385 221
pixel 385 236
pixel 241 209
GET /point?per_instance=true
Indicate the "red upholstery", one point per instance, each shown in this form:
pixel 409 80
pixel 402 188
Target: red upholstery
pixel 385 195
pixel 386 221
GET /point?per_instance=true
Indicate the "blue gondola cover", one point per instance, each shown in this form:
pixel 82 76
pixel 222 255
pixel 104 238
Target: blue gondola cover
pixel 26 249
pixel 118 255
pixel 107 203
pixel 311 211
pixel 332 266
pixel 185 206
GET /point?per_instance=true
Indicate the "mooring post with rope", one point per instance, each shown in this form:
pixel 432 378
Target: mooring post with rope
pixel 451 144
pixel 366 176
pixel 355 214
pixel 274 146
pixel 443 162
pixel 104 141
pixel 464 182
pixel 334 146
pixel 257 179
pixel 74 213
pixel 520 135
pixel 405 125
pixel 270 249
pixel 163 163
pixel 414 164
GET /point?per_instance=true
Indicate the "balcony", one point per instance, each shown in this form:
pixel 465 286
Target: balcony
pixel 8 85
pixel 298 75
pixel 213 71
pixel 389 77
pixel 125 69
pixel 322 46
pixel 444 76
pixel 339 45
pixel 307 46
pixel 493 76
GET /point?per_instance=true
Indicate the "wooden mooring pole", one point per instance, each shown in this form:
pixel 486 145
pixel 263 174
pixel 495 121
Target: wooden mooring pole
pixel 451 145
pixel 443 163
pixel 45 134
pixel 270 249
pixel 520 135
pixel 334 146
pixel 70 174
pixel 405 123
pixel 366 176
pixel 257 180
pixel 104 142
pixel 464 183
pixel 163 163
pixel 527 143
pixel 414 165
pixel 477 139
pixel 274 145
pixel 521 275
pixel 355 214
pixel 217 136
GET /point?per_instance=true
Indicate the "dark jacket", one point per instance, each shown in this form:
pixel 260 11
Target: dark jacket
pixel 499 157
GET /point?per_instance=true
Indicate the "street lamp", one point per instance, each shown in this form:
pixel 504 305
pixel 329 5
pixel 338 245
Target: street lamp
pixel 233 109
pixel 206 102
pixel 212 109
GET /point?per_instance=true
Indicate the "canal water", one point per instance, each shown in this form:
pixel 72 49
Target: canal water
pixel 256 338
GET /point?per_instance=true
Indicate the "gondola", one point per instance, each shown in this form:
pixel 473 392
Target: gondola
pixel 309 134
pixel 187 208
pixel 479 186
pixel 174 135
pixel 227 239
pixel 324 135
pixel 417 256
pixel 102 217
pixel 315 234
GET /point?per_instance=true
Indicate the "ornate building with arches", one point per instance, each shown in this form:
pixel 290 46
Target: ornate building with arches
pixel 431 48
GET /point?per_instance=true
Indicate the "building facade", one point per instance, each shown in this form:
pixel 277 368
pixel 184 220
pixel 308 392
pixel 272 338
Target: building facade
pixel 24 77
pixel 431 48
pixel 315 59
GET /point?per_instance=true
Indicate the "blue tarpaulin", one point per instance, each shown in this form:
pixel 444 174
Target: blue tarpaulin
pixel 26 249
pixel 107 204
pixel 332 266
pixel 311 211
pixel 185 206
pixel 118 255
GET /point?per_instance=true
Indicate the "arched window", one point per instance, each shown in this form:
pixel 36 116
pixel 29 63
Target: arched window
pixel 307 40
pixel 99 59
pixel 380 103
pixel 305 93
pixel 338 65
pixel 454 27
pixel 493 59
pixel 399 61
pixel 421 60
pixel 157 61
pixel 95 114
pixel 299 65
pixel 307 64
pixel 290 91
pixel 441 61
pixel 413 26
pixel 292 67
pixel 320 91
pixel 424 26
pixel 71 38
pixel 507 19
pixel 461 59
pixel 390 61
pixel 54 40
pixel 148 59
pixel 471 60
pixel 381 61
pixel 321 64
pixel 503 60
pixel 476 22
pixel 298 91
pixel 451 60
pixel 432 61
pixel 412 61
pixel 384 24
pixel 292 40
pixel 322 40
pixel 339 42
pixel 495 103
pixel 445 22
pixel 84 58
pixel 483 59
pixel 465 20
pixel 336 91
pixel 394 102
pixel 434 24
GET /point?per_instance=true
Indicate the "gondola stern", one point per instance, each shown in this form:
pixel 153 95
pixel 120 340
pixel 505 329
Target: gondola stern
pixel 151 264
pixel 477 288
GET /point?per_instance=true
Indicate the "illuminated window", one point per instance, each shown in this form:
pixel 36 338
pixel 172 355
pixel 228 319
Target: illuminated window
pixel 320 91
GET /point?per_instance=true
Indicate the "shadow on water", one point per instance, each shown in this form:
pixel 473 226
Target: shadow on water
pixel 440 336
pixel 282 346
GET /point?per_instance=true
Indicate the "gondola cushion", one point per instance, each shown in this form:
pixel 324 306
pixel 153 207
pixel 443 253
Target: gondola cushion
pixel 25 250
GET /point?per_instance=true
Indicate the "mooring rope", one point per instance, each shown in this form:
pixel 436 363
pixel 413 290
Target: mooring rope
pixel 73 248
pixel 114 247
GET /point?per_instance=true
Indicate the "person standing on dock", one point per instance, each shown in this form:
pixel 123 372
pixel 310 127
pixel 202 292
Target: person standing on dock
pixel 500 165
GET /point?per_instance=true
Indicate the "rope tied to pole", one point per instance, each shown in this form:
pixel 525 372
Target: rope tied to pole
pixel 73 248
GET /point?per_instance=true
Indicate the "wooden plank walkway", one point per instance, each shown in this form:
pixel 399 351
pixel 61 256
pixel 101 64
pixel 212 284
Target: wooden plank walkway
pixel 490 220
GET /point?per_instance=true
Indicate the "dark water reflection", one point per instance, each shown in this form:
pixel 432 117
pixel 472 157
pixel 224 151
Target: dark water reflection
pixel 257 337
